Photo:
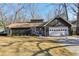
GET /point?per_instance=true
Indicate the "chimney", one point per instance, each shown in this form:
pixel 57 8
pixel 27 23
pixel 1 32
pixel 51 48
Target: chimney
pixel 36 20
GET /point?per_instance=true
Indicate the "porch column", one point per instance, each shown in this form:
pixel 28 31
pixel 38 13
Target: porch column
pixel 10 32
pixel 33 30
pixel 45 31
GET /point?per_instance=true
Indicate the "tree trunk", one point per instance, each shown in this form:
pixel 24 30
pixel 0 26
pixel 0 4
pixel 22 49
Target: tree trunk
pixel 66 11
pixel 77 28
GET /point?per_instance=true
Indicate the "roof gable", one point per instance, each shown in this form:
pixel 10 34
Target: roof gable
pixel 65 22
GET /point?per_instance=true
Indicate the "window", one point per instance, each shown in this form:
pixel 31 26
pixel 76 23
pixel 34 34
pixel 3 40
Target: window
pixel 58 29
pixel 54 29
pixel 65 29
pixel 50 30
pixel 61 29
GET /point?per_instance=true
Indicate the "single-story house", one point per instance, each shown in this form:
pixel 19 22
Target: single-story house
pixel 54 27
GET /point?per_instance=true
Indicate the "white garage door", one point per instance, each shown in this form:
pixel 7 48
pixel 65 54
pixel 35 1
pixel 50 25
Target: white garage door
pixel 58 31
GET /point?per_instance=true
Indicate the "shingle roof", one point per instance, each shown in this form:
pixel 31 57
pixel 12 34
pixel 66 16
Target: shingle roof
pixel 32 24
pixel 24 25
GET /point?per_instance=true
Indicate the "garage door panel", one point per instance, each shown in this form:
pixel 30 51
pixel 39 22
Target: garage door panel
pixel 58 31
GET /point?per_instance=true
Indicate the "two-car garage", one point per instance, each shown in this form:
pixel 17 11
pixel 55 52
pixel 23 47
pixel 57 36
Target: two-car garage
pixel 58 27
pixel 58 31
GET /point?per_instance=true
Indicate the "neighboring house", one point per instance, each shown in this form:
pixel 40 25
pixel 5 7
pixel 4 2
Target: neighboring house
pixel 55 27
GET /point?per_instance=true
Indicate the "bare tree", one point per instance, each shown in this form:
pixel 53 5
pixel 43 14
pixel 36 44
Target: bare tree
pixel 61 10
pixel 34 11
pixel 77 28
pixel 17 13
pixel 65 10
pixel 75 9
pixel 25 8
pixel 2 16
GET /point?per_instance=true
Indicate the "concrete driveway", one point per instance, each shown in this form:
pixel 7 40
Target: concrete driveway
pixel 70 41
